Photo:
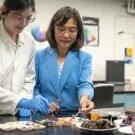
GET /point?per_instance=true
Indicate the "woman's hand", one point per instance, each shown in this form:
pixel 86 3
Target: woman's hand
pixel 54 107
pixel 85 104
pixel 133 127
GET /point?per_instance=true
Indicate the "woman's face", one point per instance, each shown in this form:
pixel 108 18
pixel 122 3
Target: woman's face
pixel 66 35
pixel 15 22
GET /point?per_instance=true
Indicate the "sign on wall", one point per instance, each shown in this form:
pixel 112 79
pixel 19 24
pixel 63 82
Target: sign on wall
pixel 128 55
pixel 91 30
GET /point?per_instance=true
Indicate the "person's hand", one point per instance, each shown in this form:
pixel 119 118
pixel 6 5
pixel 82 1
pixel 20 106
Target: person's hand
pixel 54 107
pixel 24 112
pixel 133 127
pixel 2 9
pixel 38 103
pixel 85 104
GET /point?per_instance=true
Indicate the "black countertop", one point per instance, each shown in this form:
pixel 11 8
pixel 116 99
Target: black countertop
pixel 118 89
pixel 46 131
pixel 123 89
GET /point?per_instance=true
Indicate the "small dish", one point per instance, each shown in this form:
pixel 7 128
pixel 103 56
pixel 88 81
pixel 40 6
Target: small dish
pixel 119 122
pixel 6 127
pixel 126 130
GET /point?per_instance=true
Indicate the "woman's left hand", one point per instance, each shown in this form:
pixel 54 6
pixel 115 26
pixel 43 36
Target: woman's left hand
pixel 85 105
pixel 133 127
pixel 54 107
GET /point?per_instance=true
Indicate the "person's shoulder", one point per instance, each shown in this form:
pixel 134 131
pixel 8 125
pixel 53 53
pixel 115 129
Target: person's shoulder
pixel 27 35
pixel 84 54
pixel 42 50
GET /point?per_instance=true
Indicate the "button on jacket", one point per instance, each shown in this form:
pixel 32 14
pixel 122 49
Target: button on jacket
pixel 75 79
pixel 17 76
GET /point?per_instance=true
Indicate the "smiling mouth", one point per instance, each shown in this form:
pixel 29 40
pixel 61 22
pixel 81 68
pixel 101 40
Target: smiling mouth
pixel 18 28
pixel 66 41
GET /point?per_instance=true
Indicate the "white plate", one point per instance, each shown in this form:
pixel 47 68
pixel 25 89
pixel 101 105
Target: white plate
pixel 126 130
pixel 114 113
pixel 110 130
pixel 119 122
pixel 7 127
pixel 20 123
pixel 1 126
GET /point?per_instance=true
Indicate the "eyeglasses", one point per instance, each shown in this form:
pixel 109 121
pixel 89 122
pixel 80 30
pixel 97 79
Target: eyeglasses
pixel 71 31
pixel 21 19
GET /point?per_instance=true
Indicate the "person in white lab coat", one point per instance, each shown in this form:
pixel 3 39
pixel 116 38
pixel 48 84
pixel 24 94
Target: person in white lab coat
pixel 17 48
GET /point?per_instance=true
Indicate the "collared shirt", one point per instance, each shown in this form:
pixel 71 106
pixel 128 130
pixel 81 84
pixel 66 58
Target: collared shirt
pixel 17 76
pixel 60 67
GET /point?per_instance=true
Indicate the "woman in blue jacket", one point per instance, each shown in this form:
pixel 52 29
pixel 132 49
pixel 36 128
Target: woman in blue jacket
pixel 63 71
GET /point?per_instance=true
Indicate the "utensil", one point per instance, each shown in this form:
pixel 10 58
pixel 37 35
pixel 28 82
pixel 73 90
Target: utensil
pixel 111 120
pixel 31 117
pixel 54 117
pixel 76 114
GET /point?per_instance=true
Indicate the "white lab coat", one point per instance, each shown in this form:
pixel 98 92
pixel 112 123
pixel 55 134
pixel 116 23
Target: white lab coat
pixel 17 75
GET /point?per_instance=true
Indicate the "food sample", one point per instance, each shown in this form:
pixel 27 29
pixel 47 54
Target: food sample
pixel 97 124
pixel 65 122
pixel 129 113
pixel 24 127
pixel 130 118
pixel 38 126
pixel 60 122
pixel 97 115
pixel 47 123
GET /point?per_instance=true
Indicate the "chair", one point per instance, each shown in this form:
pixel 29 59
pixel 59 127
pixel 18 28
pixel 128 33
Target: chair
pixel 103 96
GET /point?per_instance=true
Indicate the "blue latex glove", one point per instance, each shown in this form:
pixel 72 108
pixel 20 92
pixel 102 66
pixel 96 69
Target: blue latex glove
pixel 38 103
pixel 24 112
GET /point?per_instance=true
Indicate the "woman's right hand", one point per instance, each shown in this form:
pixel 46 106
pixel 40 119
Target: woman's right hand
pixel 54 107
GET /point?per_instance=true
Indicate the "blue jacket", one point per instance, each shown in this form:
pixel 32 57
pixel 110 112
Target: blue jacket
pixel 75 78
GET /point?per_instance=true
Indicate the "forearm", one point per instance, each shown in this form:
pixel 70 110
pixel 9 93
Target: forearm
pixel 29 80
pixel 85 85
pixel 28 87
pixel 8 102
pixel 87 92
pixel 84 97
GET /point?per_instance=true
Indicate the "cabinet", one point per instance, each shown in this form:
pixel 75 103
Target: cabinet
pixel 127 98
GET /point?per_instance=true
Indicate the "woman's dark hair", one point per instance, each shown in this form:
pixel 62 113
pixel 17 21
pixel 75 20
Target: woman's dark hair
pixel 10 5
pixel 59 19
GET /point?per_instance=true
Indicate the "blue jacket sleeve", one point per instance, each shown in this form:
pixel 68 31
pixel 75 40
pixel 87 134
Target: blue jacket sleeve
pixel 37 85
pixel 85 85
